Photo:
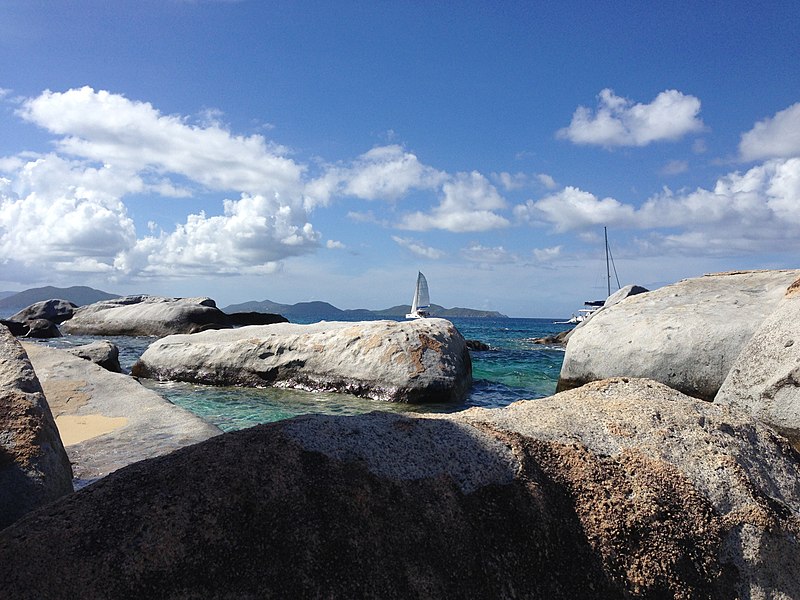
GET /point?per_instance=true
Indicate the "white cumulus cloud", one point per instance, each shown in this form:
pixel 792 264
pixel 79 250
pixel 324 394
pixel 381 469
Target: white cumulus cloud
pixel 418 248
pixel 110 128
pixel 573 208
pixel 547 254
pixel 776 137
pixel 252 236
pixel 619 122
pixel 382 173
pixel 65 214
pixel 67 209
pixel 468 203
pixel 478 253
pixel 754 210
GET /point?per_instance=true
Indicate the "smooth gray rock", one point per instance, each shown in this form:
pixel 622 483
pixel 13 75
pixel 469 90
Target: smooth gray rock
pixel 685 335
pixel 102 353
pixel 34 468
pixel 79 389
pixel 621 489
pixel 425 360
pixel 765 378
pixel 146 316
pixel 56 311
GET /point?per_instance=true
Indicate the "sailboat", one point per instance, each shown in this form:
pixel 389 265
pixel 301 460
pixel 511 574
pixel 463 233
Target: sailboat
pixel 421 304
pixel 592 306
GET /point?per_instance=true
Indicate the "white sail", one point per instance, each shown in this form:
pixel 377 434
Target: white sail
pixel 422 296
pixel 422 300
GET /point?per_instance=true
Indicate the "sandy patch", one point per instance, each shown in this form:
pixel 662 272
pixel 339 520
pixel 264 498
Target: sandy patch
pixel 78 428
pixel 65 396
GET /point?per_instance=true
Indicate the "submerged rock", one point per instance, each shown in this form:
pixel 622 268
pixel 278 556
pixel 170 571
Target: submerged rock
pixel 146 316
pixel 686 335
pixel 425 360
pixel 620 489
pixel 765 377
pixel 34 468
pixel 478 345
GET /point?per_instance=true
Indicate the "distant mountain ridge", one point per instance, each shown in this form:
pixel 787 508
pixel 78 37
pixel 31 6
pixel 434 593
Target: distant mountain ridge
pixel 83 295
pixel 325 310
pixel 80 295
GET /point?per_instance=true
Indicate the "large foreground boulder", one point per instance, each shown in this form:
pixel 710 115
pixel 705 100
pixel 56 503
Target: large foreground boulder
pixel 146 316
pixel 622 489
pixel 765 377
pixel 34 468
pixel 685 335
pixel 109 420
pixel 425 360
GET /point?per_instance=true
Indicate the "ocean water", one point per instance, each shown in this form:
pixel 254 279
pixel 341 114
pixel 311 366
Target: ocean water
pixel 513 369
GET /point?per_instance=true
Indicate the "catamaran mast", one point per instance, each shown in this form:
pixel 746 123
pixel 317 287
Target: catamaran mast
pixel 608 270
pixel 610 261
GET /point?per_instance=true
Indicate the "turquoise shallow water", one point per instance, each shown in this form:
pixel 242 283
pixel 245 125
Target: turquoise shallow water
pixel 513 369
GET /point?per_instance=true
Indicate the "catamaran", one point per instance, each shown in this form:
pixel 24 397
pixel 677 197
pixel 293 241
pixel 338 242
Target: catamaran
pixel 421 304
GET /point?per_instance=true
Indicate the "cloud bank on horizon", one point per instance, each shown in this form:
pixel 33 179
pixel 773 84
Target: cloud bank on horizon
pixel 70 208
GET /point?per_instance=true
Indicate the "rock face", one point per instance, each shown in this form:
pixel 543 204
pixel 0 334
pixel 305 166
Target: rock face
pixel 146 316
pixel 620 489
pixel 765 378
pixel 34 468
pixel 102 353
pixel 109 420
pixel 685 335
pixel 425 360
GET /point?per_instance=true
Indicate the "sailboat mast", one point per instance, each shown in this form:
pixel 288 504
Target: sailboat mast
pixel 608 270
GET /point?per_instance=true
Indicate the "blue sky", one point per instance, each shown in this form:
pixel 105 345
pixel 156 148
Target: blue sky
pixel 298 151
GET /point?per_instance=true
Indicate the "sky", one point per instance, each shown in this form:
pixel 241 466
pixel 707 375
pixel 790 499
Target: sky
pixel 296 151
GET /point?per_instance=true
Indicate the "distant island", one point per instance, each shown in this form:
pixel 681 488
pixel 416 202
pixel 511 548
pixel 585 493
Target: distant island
pixel 79 294
pixel 82 295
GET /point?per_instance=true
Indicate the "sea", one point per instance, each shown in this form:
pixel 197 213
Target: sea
pixel 513 368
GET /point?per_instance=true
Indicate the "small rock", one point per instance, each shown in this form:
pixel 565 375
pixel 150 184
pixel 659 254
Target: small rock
pixel 102 353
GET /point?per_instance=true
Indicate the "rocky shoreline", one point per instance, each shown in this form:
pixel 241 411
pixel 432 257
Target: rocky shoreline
pixel 660 470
